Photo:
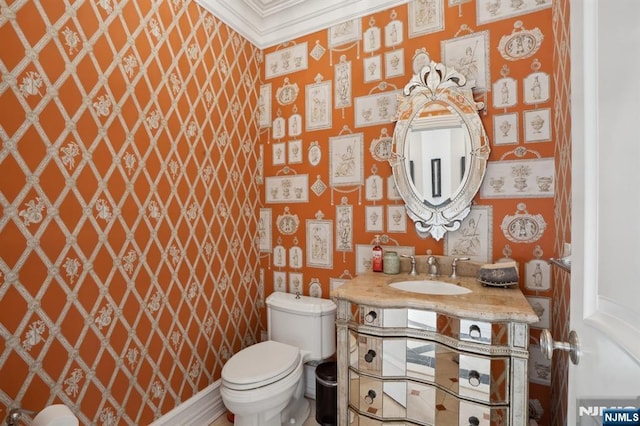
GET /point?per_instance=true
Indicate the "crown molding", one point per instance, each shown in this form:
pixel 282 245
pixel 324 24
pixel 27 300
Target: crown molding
pixel 268 23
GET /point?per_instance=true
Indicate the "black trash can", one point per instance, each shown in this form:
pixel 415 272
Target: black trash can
pixel 327 393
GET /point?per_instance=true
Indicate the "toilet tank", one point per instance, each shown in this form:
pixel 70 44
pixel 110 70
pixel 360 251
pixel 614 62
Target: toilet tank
pixel 308 323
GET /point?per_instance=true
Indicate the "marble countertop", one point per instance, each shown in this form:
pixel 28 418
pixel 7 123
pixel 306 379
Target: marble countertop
pixel 482 303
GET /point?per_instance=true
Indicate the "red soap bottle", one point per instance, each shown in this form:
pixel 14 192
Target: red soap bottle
pixel 376 259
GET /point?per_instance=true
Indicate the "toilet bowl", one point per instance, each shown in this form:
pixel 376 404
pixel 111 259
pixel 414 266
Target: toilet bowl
pixel 264 384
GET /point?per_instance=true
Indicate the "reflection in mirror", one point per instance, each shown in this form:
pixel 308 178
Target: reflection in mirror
pixel 394 403
pixel 421 403
pixel 437 156
pixel 447 360
pixel 394 317
pixel 354 387
pixel 440 147
pixel 423 320
pixel 370 397
pixel 474 414
pixel 421 360
pixel 475 331
pixel 394 357
pixel 353 349
pixel 474 377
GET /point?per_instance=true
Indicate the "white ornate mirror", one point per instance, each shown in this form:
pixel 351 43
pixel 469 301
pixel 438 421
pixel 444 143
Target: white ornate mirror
pixel 440 147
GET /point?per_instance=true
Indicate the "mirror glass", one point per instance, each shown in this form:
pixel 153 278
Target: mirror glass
pixel 440 147
pixel 437 154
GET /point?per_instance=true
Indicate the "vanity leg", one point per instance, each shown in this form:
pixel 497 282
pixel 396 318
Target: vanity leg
pixel 342 354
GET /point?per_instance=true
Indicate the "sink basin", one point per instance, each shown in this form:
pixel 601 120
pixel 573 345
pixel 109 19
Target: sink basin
pixel 430 287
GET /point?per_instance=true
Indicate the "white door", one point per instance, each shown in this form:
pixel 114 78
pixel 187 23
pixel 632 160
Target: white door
pixel 605 274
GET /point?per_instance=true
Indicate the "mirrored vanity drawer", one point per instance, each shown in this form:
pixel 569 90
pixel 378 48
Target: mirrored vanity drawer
pixel 407 402
pixel 472 376
pixel 465 330
pixel 483 379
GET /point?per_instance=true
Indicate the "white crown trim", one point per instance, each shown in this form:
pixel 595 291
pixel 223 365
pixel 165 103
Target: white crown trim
pixel 269 26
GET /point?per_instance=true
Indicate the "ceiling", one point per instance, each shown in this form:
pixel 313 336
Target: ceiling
pixel 270 22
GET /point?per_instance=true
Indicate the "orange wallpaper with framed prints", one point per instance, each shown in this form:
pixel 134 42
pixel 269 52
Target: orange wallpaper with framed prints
pixel 128 194
pixel 458 21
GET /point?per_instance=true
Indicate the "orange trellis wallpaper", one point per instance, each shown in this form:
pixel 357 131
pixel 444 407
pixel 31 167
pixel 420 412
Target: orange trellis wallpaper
pixel 128 195
pixel 330 90
pixel 138 158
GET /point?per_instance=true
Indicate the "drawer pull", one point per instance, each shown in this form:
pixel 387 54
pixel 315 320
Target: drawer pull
pixel 474 378
pixel 474 421
pixel 370 317
pixel 370 355
pixel 474 332
pixel 370 396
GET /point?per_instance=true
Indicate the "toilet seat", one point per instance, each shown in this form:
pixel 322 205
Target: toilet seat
pixel 259 365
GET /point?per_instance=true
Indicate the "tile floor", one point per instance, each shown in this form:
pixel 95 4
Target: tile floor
pixel 311 421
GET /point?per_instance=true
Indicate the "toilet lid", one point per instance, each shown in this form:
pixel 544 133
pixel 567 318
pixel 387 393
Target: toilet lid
pixel 260 364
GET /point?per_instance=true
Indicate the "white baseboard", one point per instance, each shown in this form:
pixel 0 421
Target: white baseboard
pixel 199 410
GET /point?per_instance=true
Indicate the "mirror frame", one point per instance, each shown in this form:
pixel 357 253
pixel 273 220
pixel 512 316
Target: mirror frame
pixel 436 83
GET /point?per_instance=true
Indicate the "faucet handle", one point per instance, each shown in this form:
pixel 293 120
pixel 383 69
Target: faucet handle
pixel 454 265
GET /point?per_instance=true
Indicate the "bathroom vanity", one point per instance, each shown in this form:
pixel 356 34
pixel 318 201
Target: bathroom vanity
pixel 406 357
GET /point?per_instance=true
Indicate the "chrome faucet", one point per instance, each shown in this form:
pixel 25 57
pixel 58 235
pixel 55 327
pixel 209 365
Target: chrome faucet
pixel 413 264
pixel 432 266
pixel 454 266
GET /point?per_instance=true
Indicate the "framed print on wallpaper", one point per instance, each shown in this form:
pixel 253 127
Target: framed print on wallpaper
pixel 537 125
pixel 345 32
pixel 394 63
pixel 278 129
pixel 394 31
pixel 346 160
pixel 374 221
pixel 294 151
pixel 286 61
pixel 344 227
pixel 425 16
pixel 279 156
pixel 287 189
pixel 474 237
pixel 295 123
pixel 372 38
pixel 396 218
pixel 374 188
pixel 265 230
pixel 264 106
pixel 542 307
pixel 320 243
pixel 392 189
pixel 376 108
pixel 280 281
pixel 279 256
pixel 318 105
pixel 505 92
pixel 536 86
pixel 491 10
pixel 469 55
pixel 295 257
pixel 505 128
pixel 372 68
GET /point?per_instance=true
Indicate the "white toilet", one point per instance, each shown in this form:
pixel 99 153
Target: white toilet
pixel 263 384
